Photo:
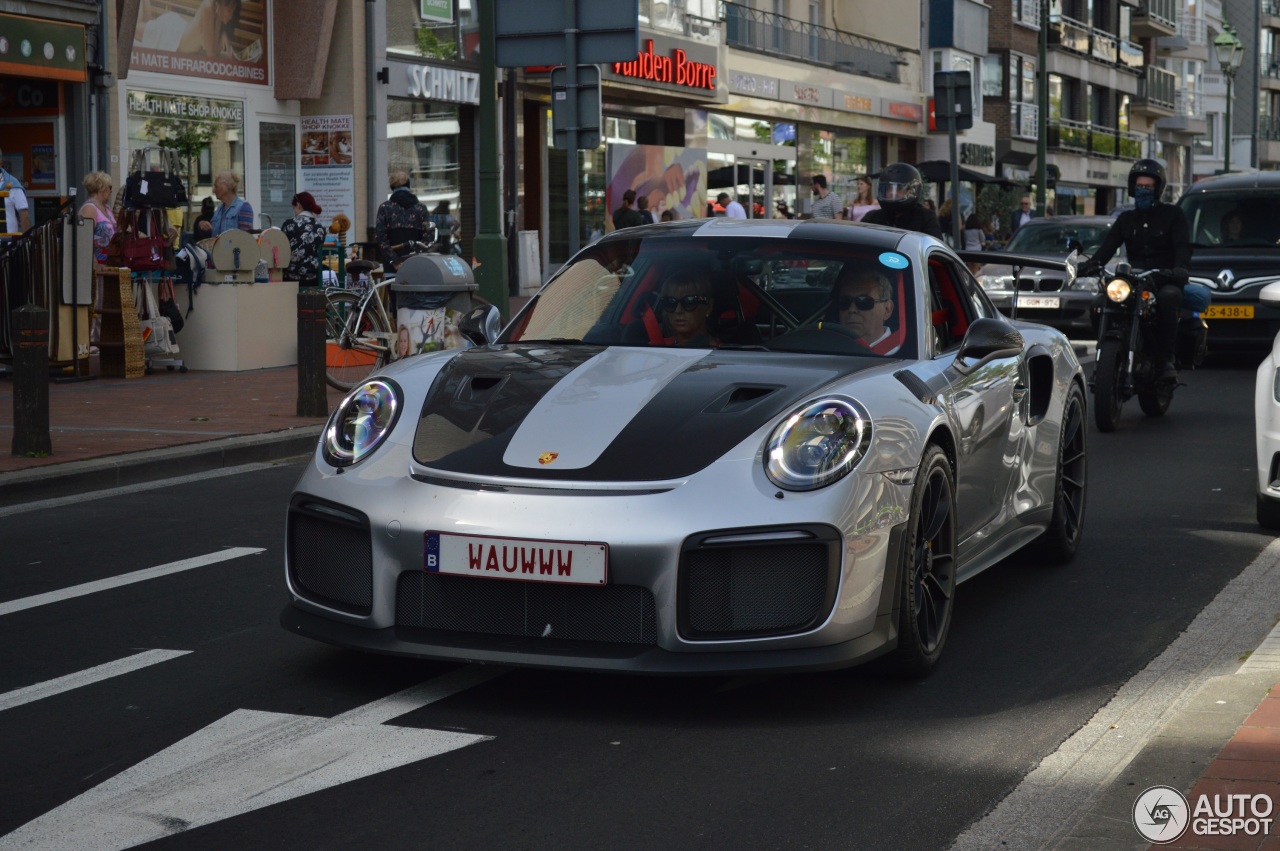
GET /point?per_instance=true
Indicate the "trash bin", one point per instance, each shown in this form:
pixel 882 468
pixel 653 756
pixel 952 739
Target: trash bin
pixel 431 294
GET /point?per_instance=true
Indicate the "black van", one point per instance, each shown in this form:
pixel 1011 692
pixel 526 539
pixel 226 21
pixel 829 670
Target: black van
pixel 1235 236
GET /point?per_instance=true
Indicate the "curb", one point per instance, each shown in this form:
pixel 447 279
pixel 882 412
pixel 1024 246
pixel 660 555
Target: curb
pixel 75 477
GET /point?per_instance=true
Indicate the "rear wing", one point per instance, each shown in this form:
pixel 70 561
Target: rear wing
pixel 1068 264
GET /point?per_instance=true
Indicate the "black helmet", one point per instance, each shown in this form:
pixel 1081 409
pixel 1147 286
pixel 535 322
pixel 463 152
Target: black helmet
pixel 1150 168
pixel 900 186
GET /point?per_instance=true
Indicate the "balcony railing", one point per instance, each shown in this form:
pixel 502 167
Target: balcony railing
pixel 1084 138
pixel 1269 65
pixel 1025 119
pixel 1158 87
pixel 1271 7
pixel 1079 37
pixel 1162 11
pixel 1269 128
pixel 1194 29
pixel 776 35
pixel 1188 105
pixel 679 16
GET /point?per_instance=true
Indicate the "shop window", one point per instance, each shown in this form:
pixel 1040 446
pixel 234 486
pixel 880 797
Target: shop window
pixel 422 141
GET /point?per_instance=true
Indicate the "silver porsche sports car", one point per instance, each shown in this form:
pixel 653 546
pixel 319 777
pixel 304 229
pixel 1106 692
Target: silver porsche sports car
pixel 703 447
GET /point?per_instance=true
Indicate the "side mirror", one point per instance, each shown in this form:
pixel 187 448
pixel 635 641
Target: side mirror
pixel 986 340
pixel 1270 295
pixel 481 324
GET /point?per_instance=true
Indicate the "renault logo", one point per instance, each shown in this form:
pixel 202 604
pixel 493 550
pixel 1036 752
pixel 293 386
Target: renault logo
pixel 1226 278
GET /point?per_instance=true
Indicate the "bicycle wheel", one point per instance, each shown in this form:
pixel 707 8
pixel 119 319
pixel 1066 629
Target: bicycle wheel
pixel 355 345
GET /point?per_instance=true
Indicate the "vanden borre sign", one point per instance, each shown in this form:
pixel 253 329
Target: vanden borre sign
pixel 675 65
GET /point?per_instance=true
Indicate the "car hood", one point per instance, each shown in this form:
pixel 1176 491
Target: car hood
pixel 591 413
pixel 1246 261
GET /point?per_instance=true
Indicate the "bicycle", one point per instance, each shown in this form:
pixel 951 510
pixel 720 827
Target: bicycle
pixel 359 332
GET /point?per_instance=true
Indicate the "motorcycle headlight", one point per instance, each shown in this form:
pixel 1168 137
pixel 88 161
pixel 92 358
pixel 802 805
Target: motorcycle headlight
pixel 1118 289
pixel 361 422
pixel 817 443
pixel 998 283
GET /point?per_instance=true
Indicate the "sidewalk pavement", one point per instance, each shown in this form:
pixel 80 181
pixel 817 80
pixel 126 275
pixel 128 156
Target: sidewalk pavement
pixel 1220 736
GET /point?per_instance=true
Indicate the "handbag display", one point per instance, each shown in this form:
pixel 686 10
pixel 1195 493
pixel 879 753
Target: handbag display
pixel 169 304
pixel 140 242
pixel 155 179
pixel 158 336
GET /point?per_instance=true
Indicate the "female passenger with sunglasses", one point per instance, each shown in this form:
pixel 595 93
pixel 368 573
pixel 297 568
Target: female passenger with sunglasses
pixel 685 306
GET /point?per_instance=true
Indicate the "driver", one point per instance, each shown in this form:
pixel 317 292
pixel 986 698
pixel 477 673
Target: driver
pixel 401 219
pixel 899 193
pixel 1156 236
pixel 864 299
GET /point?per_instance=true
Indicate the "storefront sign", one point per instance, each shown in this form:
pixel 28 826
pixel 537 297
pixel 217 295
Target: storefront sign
pixel 446 84
pixel 753 86
pixel 865 104
pixel 22 97
pixel 184 108
pixel 979 155
pixel 676 68
pixel 807 94
pixel 903 111
pixel 437 10
pixel 34 47
pixel 328 173
pixel 200 38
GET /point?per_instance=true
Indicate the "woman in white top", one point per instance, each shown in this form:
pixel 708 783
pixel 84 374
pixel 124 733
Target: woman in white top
pixel 864 202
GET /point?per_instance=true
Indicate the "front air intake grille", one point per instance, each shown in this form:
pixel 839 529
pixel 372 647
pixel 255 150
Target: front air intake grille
pixel 623 614
pixel 331 558
pixel 758 590
pixel 1039 285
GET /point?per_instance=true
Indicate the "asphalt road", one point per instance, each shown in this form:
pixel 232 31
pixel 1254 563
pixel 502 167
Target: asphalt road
pixel 242 739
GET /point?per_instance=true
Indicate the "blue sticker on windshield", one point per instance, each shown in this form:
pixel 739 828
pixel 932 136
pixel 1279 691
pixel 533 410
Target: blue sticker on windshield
pixel 893 261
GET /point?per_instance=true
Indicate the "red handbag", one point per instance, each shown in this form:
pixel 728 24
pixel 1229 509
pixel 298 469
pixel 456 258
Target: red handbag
pixel 143 240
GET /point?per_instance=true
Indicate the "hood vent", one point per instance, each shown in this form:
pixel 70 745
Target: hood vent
pixel 739 398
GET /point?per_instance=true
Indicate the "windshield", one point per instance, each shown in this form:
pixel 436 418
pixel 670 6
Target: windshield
pixel 728 292
pixel 1245 218
pixel 1056 239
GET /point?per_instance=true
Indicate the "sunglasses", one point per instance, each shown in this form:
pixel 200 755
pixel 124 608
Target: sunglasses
pixel 668 303
pixel 861 302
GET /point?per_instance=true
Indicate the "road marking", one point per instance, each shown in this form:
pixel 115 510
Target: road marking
pixel 246 761
pixel 123 490
pixel 1051 803
pixel 49 688
pixel 126 579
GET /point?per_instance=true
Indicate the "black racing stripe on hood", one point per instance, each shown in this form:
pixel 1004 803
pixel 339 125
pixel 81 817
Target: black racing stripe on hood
pixel 713 406
pixel 480 398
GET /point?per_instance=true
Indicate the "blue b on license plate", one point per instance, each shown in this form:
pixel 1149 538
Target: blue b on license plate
pixel 565 562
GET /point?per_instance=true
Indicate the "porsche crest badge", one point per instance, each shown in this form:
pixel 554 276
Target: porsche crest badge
pixel 548 457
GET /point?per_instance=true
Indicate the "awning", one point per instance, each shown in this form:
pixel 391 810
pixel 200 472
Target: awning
pixel 51 50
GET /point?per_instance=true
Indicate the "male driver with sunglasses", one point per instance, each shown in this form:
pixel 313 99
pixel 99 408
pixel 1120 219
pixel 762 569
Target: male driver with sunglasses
pixel 864 299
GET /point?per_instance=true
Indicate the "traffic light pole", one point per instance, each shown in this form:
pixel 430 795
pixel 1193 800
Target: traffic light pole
pixel 490 244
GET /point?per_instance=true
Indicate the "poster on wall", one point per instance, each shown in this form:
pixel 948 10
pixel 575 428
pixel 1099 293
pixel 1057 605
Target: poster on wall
pixel 213 39
pixel 42 166
pixel 672 179
pixel 327 170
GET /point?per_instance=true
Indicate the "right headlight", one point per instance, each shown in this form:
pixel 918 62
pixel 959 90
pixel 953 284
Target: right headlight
pixel 817 443
pixel 1118 289
pixel 361 422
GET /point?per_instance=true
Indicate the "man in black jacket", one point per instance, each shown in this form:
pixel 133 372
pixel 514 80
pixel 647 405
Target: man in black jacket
pixel 899 194
pixel 1155 236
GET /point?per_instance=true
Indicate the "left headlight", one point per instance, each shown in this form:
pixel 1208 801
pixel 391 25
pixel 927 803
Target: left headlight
pixel 361 422
pixel 817 443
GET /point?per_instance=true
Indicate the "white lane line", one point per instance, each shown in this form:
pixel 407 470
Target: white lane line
pixel 1049 806
pixel 123 490
pixel 126 579
pixel 49 688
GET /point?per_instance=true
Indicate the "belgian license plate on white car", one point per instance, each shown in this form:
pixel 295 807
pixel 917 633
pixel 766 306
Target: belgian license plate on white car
pixel 565 562
pixel 1037 301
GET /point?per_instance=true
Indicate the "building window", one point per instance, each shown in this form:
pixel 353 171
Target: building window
pixel 992 76
pixel 213 128
pixel 422 140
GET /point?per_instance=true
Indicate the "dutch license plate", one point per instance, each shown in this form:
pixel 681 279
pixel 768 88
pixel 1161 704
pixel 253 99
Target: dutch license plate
pixel 1229 311
pixel 1038 301
pixel 564 562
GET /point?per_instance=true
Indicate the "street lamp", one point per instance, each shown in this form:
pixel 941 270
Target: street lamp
pixel 1230 52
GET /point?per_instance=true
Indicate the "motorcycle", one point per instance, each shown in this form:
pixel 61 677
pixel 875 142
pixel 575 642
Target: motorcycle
pixel 1128 362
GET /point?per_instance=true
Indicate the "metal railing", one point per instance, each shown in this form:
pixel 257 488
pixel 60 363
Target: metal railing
pixel 1025 119
pixel 1085 40
pixel 1269 65
pixel 1085 138
pixel 777 35
pixel 1194 29
pixel 1188 105
pixel 1271 7
pixel 1269 128
pixel 1069 33
pixel 1131 55
pixel 1158 87
pixel 1162 11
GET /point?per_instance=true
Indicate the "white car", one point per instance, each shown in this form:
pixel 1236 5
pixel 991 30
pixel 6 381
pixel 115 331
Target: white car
pixel 1266 410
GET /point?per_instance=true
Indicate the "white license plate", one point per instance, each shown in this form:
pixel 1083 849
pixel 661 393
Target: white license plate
pixel 1037 301
pixel 564 562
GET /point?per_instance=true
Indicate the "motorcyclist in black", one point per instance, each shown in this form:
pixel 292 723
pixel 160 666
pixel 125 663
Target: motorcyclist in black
pixel 899 194
pixel 1156 236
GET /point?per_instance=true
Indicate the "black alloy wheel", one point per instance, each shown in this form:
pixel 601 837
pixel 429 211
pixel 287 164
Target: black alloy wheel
pixel 928 572
pixel 1061 539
